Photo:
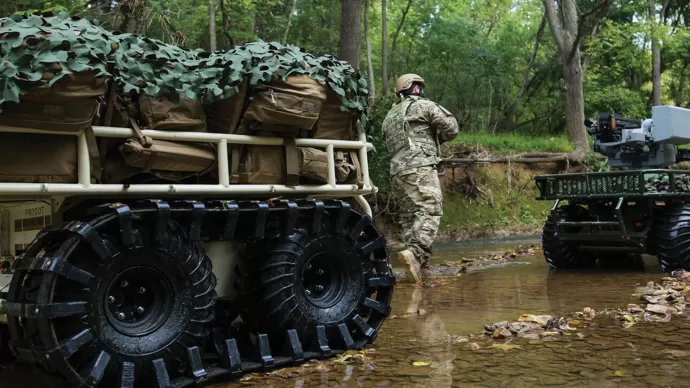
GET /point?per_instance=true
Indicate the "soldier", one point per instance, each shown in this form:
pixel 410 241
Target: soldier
pixel 414 129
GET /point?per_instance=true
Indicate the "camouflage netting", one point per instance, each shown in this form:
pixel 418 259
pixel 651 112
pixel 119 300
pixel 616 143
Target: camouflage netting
pixel 39 50
pixel 660 183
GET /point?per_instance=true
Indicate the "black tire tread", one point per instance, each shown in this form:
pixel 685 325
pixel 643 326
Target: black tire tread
pixel 673 238
pixel 561 254
pixel 117 226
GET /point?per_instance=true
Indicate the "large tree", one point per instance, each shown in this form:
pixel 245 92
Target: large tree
pixel 351 32
pixel 568 29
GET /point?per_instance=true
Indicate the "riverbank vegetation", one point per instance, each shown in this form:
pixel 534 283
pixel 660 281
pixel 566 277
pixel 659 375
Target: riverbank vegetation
pixel 519 75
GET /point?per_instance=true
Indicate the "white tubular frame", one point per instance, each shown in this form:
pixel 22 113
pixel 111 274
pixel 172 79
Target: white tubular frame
pixel 84 186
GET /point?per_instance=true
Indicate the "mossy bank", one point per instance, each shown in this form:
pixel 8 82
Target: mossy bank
pixel 484 200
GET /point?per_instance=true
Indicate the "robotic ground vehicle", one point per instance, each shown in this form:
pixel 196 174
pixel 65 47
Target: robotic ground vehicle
pixel 174 241
pixel 640 207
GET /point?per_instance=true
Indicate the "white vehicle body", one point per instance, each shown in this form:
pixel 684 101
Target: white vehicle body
pixel 26 208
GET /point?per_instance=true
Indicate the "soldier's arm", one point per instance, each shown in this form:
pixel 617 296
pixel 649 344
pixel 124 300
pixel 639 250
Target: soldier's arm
pixel 444 122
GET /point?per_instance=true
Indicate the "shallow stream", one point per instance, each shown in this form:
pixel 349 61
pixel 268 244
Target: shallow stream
pixel 604 355
pixel 413 351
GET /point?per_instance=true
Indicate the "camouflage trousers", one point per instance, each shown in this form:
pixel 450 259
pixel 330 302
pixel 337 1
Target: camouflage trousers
pixel 418 194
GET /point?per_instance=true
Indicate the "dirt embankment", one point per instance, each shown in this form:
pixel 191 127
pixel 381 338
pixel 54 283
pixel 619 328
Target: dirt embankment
pixel 485 200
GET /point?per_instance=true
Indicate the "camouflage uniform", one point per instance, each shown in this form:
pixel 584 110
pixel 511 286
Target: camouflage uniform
pixel 414 129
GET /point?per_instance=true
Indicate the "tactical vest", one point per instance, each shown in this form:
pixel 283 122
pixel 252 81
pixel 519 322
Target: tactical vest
pixel 408 146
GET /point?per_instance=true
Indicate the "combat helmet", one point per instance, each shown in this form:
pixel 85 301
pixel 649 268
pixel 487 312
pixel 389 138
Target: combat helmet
pixel 405 81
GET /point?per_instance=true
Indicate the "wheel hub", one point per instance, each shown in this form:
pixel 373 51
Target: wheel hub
pixel 323 278
pixel 138 301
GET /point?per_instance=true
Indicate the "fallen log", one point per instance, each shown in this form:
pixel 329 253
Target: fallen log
pixel 460 162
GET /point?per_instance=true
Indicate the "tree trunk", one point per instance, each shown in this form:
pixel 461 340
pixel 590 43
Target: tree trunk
pixel 394 44
pixel 575 102
pixel 511 115
pixel 212 25
pixel 131 11
pixel 370 66
pixel 656 57
pixel 351 32
pixel 567 33
pixel 226 24
pixel 384 49
pixel 287 28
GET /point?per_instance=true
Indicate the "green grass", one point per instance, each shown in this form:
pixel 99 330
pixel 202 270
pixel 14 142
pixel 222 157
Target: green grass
pixel 513 143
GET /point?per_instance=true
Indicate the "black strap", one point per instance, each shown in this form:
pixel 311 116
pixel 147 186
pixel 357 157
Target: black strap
pixel 291 162
pixel 235 163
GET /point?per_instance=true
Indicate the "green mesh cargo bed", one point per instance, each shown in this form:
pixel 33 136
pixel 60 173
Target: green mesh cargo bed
pixel 613 184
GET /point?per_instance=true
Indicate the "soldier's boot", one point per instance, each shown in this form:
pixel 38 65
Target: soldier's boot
pixel 414 270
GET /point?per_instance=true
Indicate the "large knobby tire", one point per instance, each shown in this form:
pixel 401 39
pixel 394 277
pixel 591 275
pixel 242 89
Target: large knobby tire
pixel 309 281
pixel 131 303
pixel 673 238
pixel 564 254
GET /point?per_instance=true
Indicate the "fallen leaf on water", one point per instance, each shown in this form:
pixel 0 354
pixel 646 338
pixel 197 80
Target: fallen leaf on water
pixel 351 357
pixel 421 363
pixel 505 347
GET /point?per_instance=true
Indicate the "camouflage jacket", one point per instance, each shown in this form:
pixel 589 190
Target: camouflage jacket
pixel 414 129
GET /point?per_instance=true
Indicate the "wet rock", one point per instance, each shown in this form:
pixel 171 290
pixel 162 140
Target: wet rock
pixel 652 317
pixel 634 309
pixel 658 309
pixel 473 346
pixel 502 333
pixel 490 328
pixel 680 274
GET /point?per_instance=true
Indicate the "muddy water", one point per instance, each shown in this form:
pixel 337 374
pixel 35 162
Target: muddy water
pixel 603 355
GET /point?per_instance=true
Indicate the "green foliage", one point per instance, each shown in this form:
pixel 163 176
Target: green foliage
pixel 379 160
pixel 513 143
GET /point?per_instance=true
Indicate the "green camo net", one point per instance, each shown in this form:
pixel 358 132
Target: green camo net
pixel 38 50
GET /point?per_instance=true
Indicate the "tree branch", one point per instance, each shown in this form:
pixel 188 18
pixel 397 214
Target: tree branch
pixel 287 28
pixel 226 23
pixel 397 31
pixel 600 8
pixel 554 24
pixel 525 77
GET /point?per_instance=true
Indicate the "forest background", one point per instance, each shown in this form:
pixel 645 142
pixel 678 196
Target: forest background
pixel 519 75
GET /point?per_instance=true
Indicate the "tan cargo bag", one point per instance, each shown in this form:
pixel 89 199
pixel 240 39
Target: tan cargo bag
pixel 185 115
pixel 255 164
pixel 313 164
pixel 333 123
pixel 347 168
pixel 224 116
pixel 29 158
pixel 169 156
pixel 282 106
pixel 69 105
